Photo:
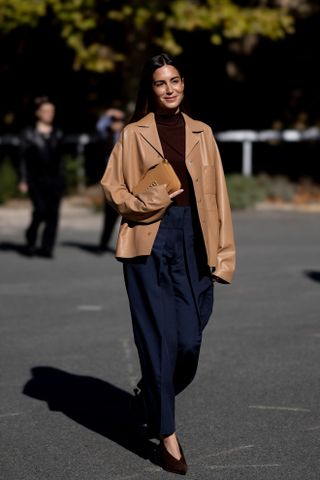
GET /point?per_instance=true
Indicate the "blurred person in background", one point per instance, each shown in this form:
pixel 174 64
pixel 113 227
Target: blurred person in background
pixel 41 176
pixel 108 127
pixel 172 245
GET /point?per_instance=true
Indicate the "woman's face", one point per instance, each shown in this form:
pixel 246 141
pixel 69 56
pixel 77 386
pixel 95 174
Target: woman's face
pixel 46 113
pixel 168 87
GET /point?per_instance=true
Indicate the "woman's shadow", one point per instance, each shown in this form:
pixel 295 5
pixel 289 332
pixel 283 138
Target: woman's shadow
pixel 313 275
pixel 93 403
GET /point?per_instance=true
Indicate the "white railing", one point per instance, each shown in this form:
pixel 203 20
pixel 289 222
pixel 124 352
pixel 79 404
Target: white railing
pixel 248 137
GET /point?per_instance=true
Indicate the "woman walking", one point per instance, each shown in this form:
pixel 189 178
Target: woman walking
pixel 173 246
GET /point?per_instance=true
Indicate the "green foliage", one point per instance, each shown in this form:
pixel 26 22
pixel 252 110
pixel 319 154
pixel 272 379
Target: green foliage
pixel 71 169
pixel 17 13
pixel 277 187
pixel 83 24
pixel 225 19
pixel 8 180
pixel 221 18
pixel 75 18
pixel 244 191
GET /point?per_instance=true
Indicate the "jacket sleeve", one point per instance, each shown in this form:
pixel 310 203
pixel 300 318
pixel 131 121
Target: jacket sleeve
pixel 146 207
pixel 225 267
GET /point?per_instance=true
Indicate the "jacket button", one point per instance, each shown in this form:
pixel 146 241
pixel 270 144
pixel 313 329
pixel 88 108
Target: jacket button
pixel 197 179
pixel 149 233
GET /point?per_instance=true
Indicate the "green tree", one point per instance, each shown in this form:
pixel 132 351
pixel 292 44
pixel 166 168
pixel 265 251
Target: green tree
pixel 104 33
pixel 82 21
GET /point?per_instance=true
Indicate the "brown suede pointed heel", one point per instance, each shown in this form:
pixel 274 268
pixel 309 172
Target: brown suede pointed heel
pixel 170 463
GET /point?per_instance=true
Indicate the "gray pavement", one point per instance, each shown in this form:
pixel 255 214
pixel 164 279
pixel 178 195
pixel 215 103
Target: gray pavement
pixel 68 362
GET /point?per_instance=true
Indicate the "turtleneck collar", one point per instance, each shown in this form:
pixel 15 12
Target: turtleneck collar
pixel 170 119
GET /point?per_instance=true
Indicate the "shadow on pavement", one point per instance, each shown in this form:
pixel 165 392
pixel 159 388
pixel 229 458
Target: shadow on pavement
pixel 93 403
pixel 313 275
pixel 13 247
pixel 90 248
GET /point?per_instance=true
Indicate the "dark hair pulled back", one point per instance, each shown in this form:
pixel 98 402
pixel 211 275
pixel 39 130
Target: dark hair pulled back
pixel 145 99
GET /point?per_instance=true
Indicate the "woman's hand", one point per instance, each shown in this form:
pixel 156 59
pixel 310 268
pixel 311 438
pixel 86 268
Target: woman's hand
pixel 174 194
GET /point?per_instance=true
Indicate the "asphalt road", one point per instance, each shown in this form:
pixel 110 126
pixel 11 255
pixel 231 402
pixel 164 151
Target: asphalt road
pixel 68 362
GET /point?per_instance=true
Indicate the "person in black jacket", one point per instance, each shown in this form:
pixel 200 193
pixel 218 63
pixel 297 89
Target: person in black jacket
pixel 41 175
pixel 108 127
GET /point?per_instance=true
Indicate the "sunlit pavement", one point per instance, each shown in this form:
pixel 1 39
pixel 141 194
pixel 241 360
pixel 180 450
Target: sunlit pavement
pixel 69 365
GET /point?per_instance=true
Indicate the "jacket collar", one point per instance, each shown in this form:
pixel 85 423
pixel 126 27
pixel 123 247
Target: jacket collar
pixel 148 130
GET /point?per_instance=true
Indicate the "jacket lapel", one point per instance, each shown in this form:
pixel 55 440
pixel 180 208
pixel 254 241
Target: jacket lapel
pixel 148 130
pixel 192 134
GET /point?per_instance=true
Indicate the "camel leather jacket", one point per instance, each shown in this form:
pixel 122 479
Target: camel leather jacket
pixel 137 150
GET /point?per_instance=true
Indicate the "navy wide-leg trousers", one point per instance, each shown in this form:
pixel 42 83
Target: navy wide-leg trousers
pixel 171 298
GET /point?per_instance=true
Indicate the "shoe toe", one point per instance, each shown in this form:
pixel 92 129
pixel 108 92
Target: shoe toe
pixel 172 464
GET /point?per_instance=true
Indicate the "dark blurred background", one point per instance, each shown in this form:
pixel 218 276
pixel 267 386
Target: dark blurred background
pixel 248 65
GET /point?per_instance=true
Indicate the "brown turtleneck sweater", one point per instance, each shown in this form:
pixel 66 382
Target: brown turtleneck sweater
pixel 172 133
